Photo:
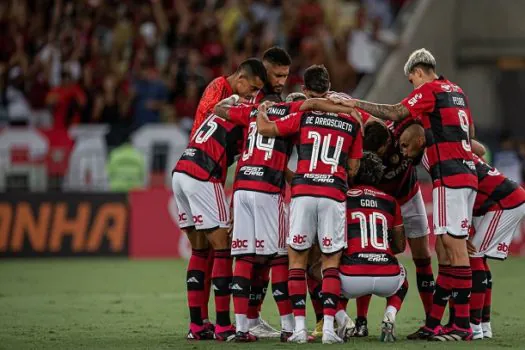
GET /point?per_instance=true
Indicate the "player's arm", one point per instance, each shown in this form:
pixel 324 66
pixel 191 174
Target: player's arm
pixel 222 108
pixel 477 148
pixel 328 106
pixel 398 241
pixel 355 154
pixel 288 175
pixel 395 112
pixel 397 238
pixel 265 127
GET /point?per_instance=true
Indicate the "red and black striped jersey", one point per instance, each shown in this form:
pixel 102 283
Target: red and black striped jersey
pixel 263 160
pixel 217 90
pixel 211 150
pixel 495 190
pixel 445 115
pixel 371 215
pixel 400 177
pixel 326 142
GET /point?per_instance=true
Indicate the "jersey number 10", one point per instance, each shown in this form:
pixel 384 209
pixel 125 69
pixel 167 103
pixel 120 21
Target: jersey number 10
pixel 373 218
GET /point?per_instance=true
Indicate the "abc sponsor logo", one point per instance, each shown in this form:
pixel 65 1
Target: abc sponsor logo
pixel 503 247
pixel 183 217
pixel 299 239
pixel 327 242
pixel 239 244
pixel 197 219
pixel 259 243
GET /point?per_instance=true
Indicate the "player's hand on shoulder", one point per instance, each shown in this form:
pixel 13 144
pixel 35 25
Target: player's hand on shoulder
pixel 263 107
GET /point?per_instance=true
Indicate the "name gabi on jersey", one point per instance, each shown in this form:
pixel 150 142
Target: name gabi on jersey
pixel 374 258
pixel 189 152
pixel 325 178
pixel 368 203
pixel 334 123
pixel 252 170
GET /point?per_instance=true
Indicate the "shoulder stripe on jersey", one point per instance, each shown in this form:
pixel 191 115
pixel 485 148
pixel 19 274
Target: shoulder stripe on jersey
pixel 450 100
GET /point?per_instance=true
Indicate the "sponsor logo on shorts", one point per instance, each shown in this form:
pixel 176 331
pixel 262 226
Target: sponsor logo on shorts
pixel 503 247
pixel 465 224
pixel 259 243
pixel 183 217
pixel 197 219
pixel 327 242
pixel 239 244
pixel 354 193
pixel 299 239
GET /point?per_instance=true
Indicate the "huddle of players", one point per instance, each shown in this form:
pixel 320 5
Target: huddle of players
pixel 365 221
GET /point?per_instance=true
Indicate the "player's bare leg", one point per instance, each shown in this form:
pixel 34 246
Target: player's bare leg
pixel 425 279
pixel 222 273
pixel 297 290
pixel 331 292
pixel 314 280
pixel 195 282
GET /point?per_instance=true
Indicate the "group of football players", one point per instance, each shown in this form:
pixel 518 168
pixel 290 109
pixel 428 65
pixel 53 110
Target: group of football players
pixel 355 201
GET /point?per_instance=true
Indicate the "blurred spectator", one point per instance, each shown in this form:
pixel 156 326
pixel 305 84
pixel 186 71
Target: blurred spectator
pixel 66 100
pixel 150 95
pixel 126 168
pixel 507 159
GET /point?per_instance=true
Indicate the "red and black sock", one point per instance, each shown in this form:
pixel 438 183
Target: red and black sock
pixel 331 291
pixel 343 303
pixel 363 303
pixel 425 282
pixel 488 295
pixel 279 267
pixel 479 287
pixel 260 281
pixel 297 291
pixel 461 282
pixel 397 299
pixel 315 291
pixel 242 277
pixel 207 285
pixel 221 280
pixel 195 279
pixel 442 293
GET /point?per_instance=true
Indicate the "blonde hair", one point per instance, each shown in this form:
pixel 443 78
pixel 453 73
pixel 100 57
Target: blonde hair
pixel 421 56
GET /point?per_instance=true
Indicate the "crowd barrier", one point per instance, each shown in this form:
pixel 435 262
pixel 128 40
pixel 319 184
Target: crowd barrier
pixel 141 224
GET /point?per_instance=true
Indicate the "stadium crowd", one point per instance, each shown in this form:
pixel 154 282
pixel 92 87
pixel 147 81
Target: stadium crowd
pixel 135 62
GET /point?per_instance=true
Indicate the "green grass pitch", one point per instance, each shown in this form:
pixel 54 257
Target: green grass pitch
pixel 123 304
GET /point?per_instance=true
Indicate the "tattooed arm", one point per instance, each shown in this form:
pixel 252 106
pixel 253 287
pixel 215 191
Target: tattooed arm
pixel 395 112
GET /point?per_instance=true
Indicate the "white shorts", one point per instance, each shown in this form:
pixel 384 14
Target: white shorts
pixel 383 286
pixel 260 223
pixel 415 217
pixel 453 210
pixel 201 204
pixel 495 230
pixel 321 217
